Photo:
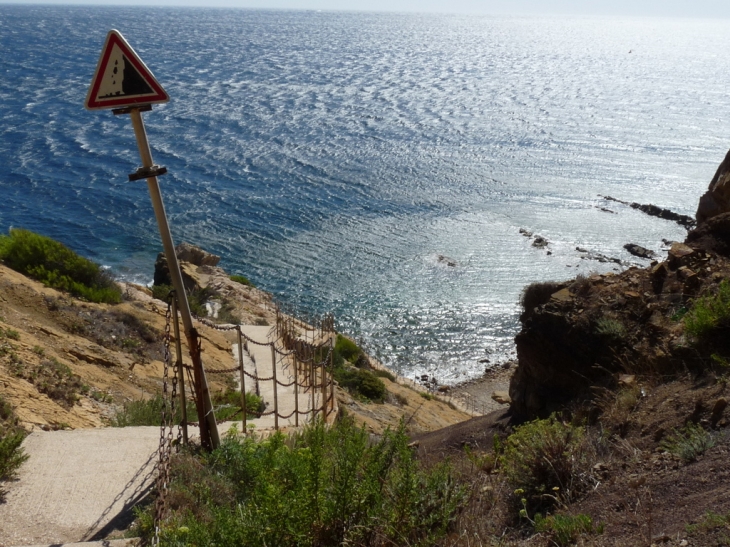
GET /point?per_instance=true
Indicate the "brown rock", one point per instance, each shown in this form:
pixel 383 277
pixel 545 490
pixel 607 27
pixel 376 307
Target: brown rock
pixel 502 397
pixel 717 198
pixel 195 255
pixel 626 379
pixel 562 295
pixel 679 255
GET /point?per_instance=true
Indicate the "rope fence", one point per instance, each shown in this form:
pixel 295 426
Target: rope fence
pixel 299 367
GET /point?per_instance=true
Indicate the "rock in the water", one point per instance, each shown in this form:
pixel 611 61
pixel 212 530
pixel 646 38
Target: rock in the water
pixel 446 260
pixel 638 250
pixel 716 200
pixel 540 242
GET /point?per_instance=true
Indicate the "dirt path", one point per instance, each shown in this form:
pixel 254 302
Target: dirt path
pixel 78 485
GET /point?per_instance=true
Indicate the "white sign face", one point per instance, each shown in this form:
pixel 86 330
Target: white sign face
pixel 122 79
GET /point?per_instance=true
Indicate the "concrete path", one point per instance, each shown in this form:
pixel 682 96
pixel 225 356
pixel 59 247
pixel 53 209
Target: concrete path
pixel 78 485
pixel 258 361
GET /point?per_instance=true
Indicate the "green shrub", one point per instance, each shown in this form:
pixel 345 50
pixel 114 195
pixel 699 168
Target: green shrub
pixel 11 437
pixel 197 298
pixel 348 349
pixel 612 329
pixel 689 442
pixel 709 313
pixel 361 383
pixel 161 292
pixel 57 266
pixel 149 412
pixel 51 377
pixel 545 462
pixel 384 374
pixel 539 293
pixel 243 280
pixel 227 405
pixel 709 521
pixel 9 333
pixel 227 313
pixel 565 530
pixel 326 486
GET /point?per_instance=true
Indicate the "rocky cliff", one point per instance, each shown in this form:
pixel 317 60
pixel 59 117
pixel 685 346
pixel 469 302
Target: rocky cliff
pixel 581 335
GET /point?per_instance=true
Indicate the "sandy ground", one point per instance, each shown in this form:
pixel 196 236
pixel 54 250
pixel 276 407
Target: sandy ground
pixel 475 396
pixel 78 485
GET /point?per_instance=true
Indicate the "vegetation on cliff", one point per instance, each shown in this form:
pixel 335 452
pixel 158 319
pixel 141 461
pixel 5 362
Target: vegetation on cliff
pixel 57 266
pixel 11 437
pixel 325 486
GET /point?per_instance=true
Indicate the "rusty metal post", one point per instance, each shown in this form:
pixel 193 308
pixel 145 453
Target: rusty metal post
pixel 332 376
pixel 208 429
pixel 243 381
pixel 312 387
pixel 180 370
pixel 276 390
pixel 296 390
pixel 324 392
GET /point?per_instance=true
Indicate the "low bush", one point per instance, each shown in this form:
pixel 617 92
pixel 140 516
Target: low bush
pixel 361 383
pixel 228 405
pixel 348 349
pixel 546 462
pixel 51 377
pixel 197 298
pixel 689 442
pixel 537 294
pixel 161 292
pixel 326 486
pixel 709 521
pixel 57 266
pixel 11 437
pixel 709 313
pixel 9 333
pixel 243 280
pixel 565 530
pixel 384 374
pixel 611 329
pixel 149 412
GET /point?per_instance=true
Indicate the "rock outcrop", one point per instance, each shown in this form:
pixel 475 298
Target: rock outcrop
pixel 716 200
pixel 586 334
pixel 185 252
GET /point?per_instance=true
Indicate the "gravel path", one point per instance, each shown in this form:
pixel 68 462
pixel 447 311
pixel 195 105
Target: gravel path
pixel 78 485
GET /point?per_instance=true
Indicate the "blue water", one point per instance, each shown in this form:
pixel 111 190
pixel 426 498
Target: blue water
pixel 332 157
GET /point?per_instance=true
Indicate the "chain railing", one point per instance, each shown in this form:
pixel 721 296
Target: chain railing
pixel 301 360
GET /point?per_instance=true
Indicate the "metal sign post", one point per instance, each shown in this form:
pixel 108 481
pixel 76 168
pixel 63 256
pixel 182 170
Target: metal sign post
pixel 123 80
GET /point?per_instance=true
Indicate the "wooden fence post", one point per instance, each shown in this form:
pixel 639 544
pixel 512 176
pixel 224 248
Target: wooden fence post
pixel 296 390
pixel 243 381
pixel 276 398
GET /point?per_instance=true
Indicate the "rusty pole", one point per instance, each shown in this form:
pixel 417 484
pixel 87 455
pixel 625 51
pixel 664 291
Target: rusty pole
pixel 208 429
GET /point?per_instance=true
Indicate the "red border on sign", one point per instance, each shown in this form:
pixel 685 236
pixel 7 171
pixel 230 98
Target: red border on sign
pixel 159 95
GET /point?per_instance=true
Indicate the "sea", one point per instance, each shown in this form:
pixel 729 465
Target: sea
pixel 376 166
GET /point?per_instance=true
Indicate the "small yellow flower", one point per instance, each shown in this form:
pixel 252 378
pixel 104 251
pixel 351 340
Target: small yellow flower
pixel 519 491
pixel 556 488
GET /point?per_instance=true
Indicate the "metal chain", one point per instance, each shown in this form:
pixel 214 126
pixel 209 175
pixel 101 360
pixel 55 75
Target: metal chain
pixel 163 464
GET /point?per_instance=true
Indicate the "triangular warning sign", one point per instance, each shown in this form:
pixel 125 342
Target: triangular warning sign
pixel 121 78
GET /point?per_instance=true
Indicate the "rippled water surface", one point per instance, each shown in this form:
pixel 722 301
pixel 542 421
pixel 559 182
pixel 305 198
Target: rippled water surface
pixel 335 157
